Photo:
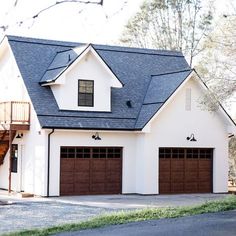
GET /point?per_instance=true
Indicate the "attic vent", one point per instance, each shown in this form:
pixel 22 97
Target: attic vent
pixel 69 58
pixel 129 104
pixel 188 99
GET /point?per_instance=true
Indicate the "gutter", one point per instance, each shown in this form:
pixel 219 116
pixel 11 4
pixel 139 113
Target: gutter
pixel 48 171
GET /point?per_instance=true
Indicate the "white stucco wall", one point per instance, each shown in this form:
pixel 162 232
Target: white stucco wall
pixel 88 68
pixel 170 129
pixel 12 88
pixel 32 148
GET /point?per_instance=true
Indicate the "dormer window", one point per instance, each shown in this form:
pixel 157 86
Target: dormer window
pixel 86 93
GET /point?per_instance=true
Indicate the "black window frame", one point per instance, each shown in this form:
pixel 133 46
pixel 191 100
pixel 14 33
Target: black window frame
pixel 85 93
pixel 14 158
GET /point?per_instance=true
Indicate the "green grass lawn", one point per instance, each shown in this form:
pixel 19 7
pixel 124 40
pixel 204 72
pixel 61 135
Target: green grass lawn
pixel 123 217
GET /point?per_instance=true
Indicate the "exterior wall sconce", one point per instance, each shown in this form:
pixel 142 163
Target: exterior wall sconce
pixel 19 135
pixel 191 138
pixel 96 136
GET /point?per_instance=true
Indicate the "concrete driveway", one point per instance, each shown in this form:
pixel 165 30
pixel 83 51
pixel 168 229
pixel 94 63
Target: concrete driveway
pixel 139 201
pixel 30 213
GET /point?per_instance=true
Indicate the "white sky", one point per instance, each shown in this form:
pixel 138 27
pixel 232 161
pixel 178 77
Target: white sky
pixel 78 22
pixel 69 21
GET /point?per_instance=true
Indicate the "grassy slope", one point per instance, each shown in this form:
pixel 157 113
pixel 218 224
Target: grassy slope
pixel 137 215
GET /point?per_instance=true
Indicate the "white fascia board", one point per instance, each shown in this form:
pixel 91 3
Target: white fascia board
pixel 147 127
pixel 4 46
pixel 231 130
pixel 84 51
pixel 61 77
pixel 115 81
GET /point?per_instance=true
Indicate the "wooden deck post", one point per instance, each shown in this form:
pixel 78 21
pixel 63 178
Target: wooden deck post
pixel 10 160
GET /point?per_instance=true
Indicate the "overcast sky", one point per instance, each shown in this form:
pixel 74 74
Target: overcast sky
pixel 73 21
pixel 69 21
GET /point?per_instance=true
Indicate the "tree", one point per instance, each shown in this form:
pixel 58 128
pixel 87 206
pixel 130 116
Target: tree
pixel 170 24
pixel 217 64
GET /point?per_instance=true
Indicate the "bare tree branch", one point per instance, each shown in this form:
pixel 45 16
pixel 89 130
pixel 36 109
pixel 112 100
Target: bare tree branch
pixel 19 23
pixel 15 3
pixel 66 1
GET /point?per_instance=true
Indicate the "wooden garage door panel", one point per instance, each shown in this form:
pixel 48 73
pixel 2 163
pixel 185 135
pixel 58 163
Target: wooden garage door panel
pixel 81 177
pixel 114 164
pixel 164 177
pixel 90 170
pixel 98 177
pixel 98 165
pixel 191 187
pixel 204 165
pixel 177 187
pixel 113 177
pixel 191 176
pixel 177 165
pixel 185 170
pixel 165 188
pixel 82 188
pixel 191 165
pixel 204 187
pixel 67 188
pixel 164 165
pixel 67 177
pixel 82 165
pixel 204 176
pixel 97 188
pixel 113 187
pixel 177 176
pixel 67 164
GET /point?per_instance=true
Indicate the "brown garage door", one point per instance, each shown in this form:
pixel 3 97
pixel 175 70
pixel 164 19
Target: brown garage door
pixel 185 170
pixel 90 170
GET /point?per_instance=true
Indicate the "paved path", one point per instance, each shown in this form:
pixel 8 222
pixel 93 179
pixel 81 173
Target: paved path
pixel 214 224
pixel 42 212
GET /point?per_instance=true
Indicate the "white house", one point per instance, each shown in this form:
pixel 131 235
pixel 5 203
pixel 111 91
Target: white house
pixel 94 119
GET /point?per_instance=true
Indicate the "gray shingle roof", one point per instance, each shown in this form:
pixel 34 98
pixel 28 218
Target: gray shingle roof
pixel 149 78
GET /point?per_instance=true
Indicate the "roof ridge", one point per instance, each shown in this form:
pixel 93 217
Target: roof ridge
pixel 114 48
pixel 135 50
pixel 173 72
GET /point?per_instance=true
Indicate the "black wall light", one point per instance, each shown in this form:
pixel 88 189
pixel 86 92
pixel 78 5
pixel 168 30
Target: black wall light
pixel 191 138
pixel 19 135
pixel 96 136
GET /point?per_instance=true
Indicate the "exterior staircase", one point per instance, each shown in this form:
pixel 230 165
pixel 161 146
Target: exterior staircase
pixel 4 143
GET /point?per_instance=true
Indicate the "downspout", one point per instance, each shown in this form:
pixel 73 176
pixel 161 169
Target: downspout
pixel 48 172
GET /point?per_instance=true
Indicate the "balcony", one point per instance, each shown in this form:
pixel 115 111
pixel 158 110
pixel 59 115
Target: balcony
pixel 14 115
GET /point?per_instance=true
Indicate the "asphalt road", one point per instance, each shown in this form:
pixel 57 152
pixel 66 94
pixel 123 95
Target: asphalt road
pixel 213 224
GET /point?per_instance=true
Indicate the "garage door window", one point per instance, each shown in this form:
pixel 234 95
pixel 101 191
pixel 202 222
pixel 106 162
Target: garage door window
pixel 171 153
pixel 74 152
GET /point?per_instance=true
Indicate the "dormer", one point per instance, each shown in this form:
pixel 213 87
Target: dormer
pixel 81 80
